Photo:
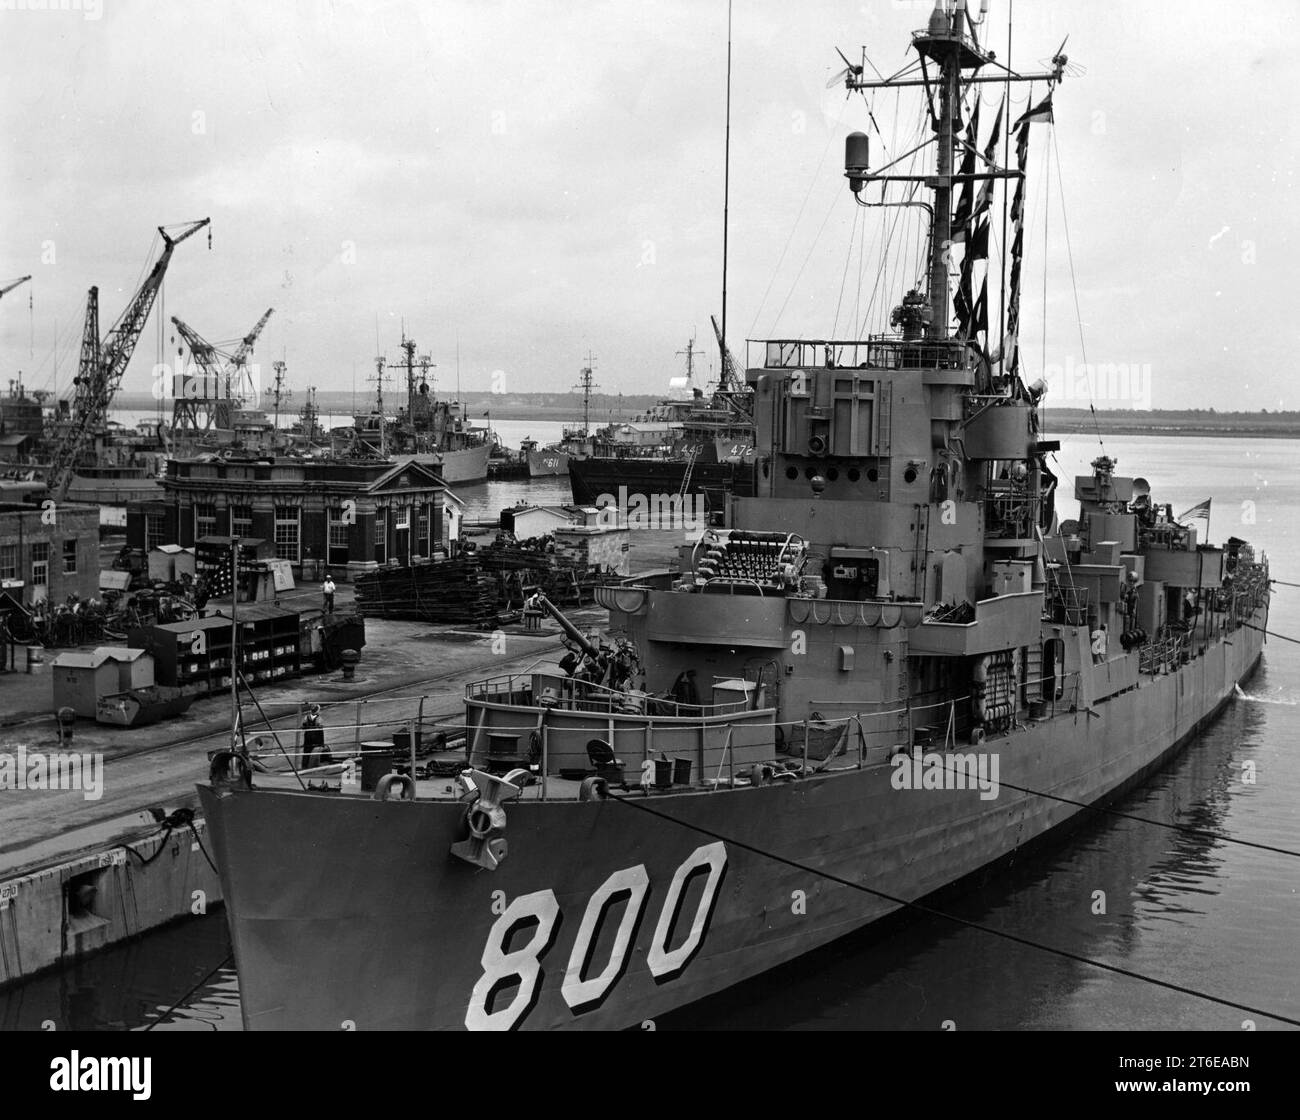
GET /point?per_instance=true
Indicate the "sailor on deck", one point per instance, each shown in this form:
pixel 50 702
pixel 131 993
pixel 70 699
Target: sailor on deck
pixel 1099 644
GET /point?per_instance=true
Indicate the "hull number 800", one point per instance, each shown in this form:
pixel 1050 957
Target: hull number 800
pixel 581 990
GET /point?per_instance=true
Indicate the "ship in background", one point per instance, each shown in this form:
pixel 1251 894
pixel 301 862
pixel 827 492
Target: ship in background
pixel 702 444
pixel 430 431
pixel 888 668
pixel 577 442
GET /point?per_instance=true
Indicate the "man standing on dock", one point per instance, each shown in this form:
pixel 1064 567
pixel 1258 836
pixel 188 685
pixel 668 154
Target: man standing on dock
pixel 328 588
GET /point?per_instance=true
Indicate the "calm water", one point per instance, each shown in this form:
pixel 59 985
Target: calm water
pixel 1202 913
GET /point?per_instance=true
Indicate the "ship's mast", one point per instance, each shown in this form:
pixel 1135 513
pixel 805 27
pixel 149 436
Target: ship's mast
pixel 408 348
pixel 278 393
pixel 689 353
pixel 726 202
pixel 944 48
pixel 586 384
pixel 379 379
pixel 948 43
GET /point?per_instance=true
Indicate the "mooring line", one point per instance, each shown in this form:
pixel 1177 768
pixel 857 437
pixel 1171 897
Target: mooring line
pixel 932 912
pixel 175 1006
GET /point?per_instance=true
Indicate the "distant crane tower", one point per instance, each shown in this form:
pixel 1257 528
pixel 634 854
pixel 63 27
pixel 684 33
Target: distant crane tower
pixel 102 364
pixel 215 396
pixel 586 384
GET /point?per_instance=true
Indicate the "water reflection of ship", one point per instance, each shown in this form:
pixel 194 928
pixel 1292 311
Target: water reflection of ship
pixel 428 430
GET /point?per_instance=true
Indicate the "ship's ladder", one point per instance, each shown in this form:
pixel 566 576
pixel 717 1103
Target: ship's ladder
pixel 691 456
pixel 1033 672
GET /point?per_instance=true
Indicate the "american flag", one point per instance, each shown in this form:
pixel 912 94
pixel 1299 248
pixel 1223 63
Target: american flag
pixel 220 578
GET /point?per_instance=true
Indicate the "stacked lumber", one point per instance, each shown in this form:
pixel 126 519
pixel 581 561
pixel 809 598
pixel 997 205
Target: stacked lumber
pixel 451 591
pixel 501 557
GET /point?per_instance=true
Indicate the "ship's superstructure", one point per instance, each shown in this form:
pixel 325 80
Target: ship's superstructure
pixel 430 431
pixel 887 667
pixel 688 444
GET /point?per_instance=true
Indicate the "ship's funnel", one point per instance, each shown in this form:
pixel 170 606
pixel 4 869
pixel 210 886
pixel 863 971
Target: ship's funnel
pixel 857 158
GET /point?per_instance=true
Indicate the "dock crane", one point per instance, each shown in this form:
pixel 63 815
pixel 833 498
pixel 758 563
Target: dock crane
pixel 102 364
pixel 731 385
pixel 219 395
pixel 5 289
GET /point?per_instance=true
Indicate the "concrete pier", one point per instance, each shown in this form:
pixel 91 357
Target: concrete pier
pixel 79 873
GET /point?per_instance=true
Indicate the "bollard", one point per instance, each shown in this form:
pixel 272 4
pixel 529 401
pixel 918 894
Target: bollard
pixel 350 659
pixel 34 659
pixel 66 717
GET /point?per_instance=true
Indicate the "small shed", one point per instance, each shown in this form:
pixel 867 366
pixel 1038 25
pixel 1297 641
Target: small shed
pixel 526 522
pixel 170 561
pixel 80 679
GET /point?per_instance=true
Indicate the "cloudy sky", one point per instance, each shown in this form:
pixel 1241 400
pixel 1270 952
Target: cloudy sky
pixel 539 179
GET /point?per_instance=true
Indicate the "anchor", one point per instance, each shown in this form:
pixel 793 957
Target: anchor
pixel 485 818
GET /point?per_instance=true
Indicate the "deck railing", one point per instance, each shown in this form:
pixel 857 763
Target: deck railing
pixel 572 695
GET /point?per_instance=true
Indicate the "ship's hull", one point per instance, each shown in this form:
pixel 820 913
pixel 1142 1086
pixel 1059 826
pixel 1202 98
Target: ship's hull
pixel 624 911
pixel 547 463
pixel 592 477
pixel 469 464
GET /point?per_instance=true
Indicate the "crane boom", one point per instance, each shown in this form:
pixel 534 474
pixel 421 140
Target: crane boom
pixel 102 366
pixel 185 411
pixel 218 404
pixel 240 356
pixel 731 378
pixel 9 287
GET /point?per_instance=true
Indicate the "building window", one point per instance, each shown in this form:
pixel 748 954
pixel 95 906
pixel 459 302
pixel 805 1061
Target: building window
pixel 286 533
pixel 381 535
pixel 69 557
pixel 422 531
pixel 155 530
pixel 40 564
pixel 8 561
pixel 338 536
pixel 205 520
pixel 241 521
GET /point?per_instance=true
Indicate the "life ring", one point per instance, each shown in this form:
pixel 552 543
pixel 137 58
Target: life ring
pixel 386 783
pixel 534 747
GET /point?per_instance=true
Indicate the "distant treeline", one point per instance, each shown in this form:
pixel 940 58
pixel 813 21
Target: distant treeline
pixel 1185 421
